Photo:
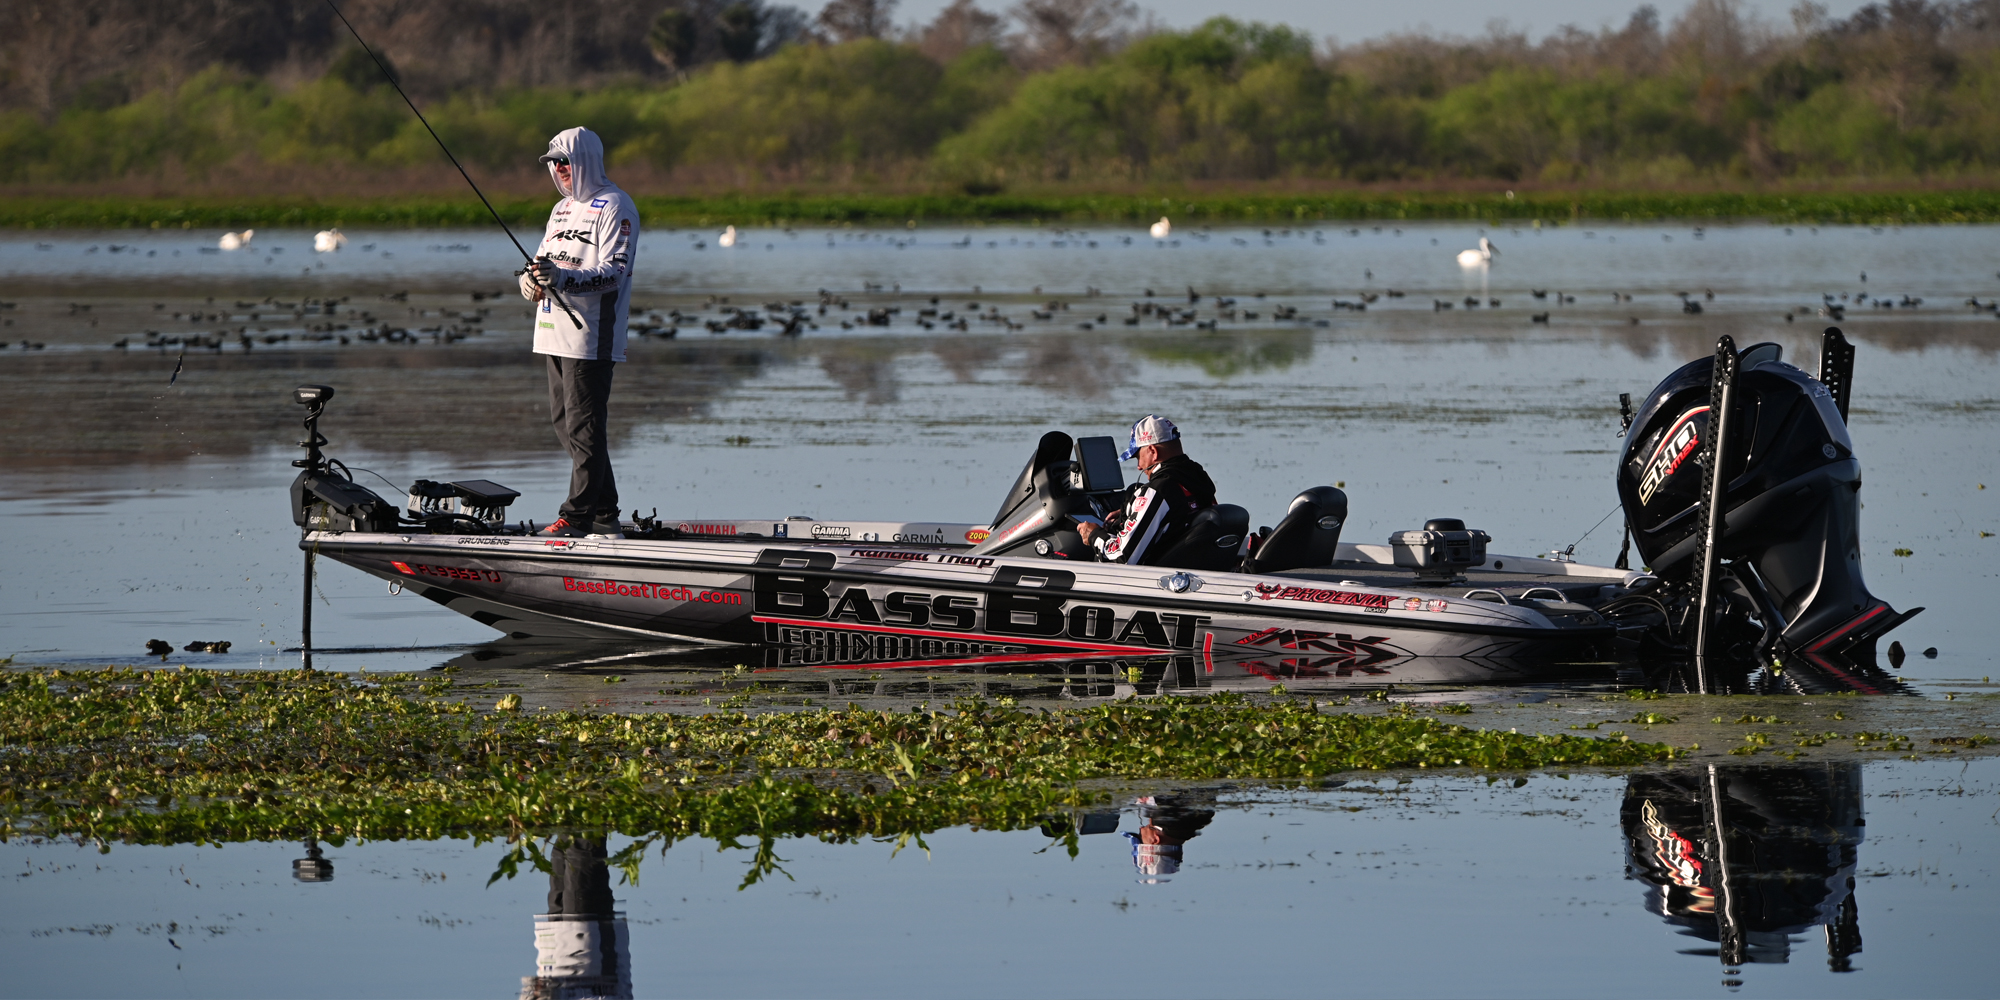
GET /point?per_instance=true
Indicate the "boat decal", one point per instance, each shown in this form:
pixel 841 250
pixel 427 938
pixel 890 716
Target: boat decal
pixel 962 612
pixel 692 528
pixel 1364 651
pixel 1280 592
pixel 832 532
pixel 816 624
pixel 946 661
pixel 977 535
pixel 936 558
pixel 448 572
pixel 651 591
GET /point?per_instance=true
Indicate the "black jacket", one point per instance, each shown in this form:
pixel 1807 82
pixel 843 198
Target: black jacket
pixel 1157 515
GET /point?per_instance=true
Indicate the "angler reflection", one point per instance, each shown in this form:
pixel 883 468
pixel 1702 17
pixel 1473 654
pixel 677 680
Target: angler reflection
pixel 1166 823
pixel 1747 857
pixel 580 944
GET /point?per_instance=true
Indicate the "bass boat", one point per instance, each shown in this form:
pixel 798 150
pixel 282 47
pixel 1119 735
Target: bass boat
pixel 1774 582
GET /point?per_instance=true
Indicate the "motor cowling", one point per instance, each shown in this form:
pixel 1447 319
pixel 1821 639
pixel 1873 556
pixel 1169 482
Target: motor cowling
pixel 324 501
pixel 1790 501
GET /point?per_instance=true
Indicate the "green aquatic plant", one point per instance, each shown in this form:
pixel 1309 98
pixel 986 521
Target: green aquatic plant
pixel 185 756
pixel 1247 206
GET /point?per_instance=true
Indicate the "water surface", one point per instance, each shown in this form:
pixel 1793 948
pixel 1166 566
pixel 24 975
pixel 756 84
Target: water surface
pixel 1846 881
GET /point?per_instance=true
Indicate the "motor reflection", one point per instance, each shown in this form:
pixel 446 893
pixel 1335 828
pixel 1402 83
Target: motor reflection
pixel 314 867
pixel 1748 857
pixel 581 947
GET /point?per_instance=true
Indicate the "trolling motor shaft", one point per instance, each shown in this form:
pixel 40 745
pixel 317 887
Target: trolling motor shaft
pixel 314 398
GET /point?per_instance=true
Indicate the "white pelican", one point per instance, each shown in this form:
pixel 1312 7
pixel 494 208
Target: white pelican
pixel 728 237
pixel 235 241
pixel 328 240
pixel 1483 255
pixel 1161 228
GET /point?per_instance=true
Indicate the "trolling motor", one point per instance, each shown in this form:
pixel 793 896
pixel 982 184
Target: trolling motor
pixel 325 496
pixel 1740 486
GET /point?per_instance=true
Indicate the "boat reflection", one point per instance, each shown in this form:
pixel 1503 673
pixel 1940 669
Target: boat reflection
pixel 932 668
pixel 1748 857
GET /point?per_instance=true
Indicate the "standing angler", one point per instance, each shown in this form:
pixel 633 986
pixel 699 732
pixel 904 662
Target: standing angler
pixel 586 257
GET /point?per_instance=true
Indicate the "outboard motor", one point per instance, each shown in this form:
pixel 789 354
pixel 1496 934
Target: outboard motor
pixel 1787 550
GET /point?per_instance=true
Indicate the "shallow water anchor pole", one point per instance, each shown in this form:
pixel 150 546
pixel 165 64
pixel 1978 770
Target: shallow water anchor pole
pixel 306 618
pixel 1709 527
pixel 1836 367
pixel 1625 415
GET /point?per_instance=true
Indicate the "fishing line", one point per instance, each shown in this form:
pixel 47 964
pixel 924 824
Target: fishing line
pixel 391 77
pixel 1594 527
pixel 383 478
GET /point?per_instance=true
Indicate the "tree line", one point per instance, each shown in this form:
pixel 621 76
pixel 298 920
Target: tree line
pixel 1046 92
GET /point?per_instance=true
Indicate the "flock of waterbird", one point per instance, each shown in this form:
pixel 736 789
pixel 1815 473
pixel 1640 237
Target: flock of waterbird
pixel 794 317
pixel 324 241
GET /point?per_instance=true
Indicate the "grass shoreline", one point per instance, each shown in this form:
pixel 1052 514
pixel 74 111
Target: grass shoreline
pixel 36 212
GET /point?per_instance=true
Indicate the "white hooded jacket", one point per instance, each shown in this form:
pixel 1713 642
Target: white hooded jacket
pixel 593 237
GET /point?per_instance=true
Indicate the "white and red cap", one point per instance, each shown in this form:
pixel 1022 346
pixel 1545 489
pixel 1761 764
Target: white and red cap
pixel 1151 429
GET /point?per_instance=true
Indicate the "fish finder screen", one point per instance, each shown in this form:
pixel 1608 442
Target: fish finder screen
pixel 1099 458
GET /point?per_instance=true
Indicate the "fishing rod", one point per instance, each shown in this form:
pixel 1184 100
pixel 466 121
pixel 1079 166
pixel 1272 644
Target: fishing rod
pixel 391 77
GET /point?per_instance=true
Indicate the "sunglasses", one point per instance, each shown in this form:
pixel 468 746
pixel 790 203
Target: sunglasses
pixel 560 162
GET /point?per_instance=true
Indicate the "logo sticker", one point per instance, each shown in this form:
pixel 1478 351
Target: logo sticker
pixel 977 535
pixel 705 529
pixel 1678 444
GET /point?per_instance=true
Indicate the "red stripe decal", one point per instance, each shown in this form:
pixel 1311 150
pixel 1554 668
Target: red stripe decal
pixel 962 636
pixel 1208 650
pixel 1844 629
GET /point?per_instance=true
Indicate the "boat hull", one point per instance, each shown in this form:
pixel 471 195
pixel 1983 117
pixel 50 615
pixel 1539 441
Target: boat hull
pixel 870 603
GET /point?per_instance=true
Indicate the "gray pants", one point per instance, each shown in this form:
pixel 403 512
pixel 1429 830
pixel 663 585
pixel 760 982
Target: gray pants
pixel 579 401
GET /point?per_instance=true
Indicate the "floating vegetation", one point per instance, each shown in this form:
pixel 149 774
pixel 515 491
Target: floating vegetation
pixel 183 756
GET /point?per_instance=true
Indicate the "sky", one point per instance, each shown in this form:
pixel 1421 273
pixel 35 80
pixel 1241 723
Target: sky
pixel 1350 21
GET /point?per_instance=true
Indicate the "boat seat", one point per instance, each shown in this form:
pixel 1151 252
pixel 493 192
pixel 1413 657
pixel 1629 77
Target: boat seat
pixel 1212 542
pixel 1306 538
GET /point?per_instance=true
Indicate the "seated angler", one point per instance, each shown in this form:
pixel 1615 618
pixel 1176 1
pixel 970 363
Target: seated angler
pixel 1159 510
